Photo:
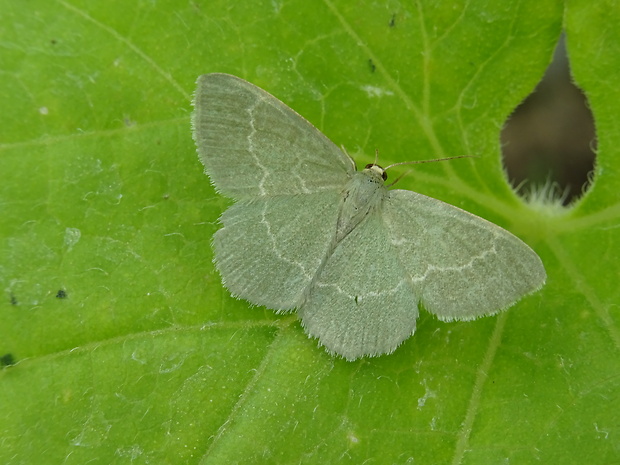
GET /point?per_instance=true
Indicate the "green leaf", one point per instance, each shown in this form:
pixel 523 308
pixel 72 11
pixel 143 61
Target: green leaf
pixel 145 358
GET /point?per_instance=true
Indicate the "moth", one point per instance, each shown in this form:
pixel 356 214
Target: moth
pixel 308 232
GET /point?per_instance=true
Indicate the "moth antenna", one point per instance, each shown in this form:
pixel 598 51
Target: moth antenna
pixel 429 161
pixel 421 161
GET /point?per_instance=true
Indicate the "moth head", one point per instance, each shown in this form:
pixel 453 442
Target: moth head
pixel 378 170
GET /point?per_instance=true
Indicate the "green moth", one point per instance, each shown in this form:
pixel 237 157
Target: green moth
pixel 309 232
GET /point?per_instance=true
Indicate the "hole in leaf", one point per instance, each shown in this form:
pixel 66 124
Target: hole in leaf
pixel 548 143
